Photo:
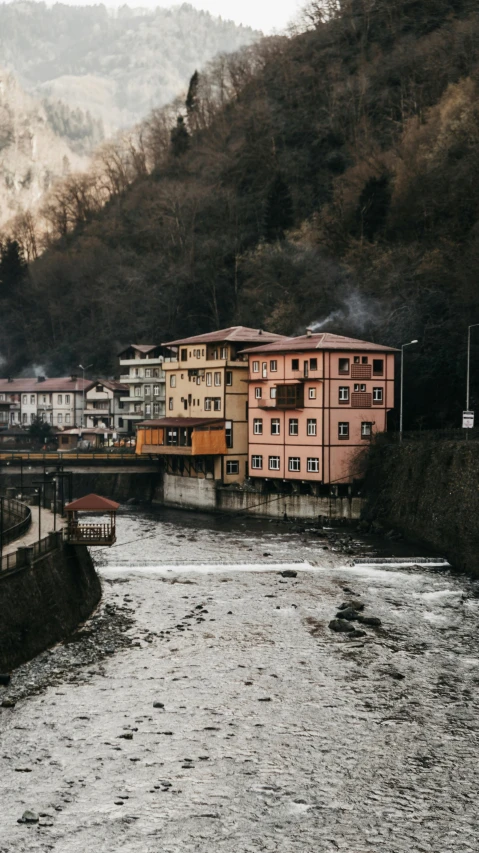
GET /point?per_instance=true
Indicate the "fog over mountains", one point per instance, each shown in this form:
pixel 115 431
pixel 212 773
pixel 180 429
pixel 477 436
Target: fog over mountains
pixel 117 65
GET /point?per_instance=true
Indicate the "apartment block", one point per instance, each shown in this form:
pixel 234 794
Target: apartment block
pixel 142 371
pixel 314 402
pixel 105 406
pixel 58 402
pixel 205 430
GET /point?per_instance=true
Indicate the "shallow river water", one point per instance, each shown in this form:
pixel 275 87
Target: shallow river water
pixel 275 734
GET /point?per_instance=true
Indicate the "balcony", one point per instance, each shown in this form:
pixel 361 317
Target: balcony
pixel 97 410
pixel 361 399
pixel 136 398
pixel 360 371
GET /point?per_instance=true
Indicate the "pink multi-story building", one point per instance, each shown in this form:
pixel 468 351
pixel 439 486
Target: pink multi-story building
pixel 314 400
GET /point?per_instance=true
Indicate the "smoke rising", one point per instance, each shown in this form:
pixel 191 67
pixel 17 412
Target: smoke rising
pixel 357 313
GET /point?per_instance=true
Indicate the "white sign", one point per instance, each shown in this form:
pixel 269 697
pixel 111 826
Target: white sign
pixel 467 420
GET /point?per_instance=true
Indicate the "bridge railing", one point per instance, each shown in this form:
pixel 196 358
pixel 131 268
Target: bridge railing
pixel 20 514
pixel 86 457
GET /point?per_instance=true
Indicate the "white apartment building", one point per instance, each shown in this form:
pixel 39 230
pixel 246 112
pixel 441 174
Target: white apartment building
pixel 57 402
pixel 105 406
pixel 141 367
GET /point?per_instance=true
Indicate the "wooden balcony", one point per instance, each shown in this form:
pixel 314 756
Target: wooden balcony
pixel 91 534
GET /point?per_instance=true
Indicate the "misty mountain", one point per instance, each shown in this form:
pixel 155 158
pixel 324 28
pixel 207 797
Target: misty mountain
pixel 115 65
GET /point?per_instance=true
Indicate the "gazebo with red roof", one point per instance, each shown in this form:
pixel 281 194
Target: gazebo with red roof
pixel 91 534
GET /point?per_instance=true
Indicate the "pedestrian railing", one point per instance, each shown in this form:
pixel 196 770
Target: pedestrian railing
pixel 20 514
pixel 427 435
pixel 28 555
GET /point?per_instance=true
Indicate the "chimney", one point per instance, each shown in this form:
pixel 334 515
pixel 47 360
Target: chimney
pixel 260 331
pixel 309 332
pixel 10 379
pixel 73 377
pixel 40 379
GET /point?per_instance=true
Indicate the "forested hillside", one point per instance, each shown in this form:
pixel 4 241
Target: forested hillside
pixel 326 177
pixel 114 65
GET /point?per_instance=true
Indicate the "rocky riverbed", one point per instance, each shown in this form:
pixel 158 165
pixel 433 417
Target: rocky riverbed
pixel 207 705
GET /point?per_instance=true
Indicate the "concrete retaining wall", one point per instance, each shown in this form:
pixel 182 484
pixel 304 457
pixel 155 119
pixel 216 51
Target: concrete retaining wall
pixel 43 603
pixel 429 490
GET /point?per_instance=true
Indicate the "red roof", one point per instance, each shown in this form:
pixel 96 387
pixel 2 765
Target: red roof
pixel 239 334
pixel 111 384
pixel 144 348
pixel 180 422
pixel 44 386
pixel 323 341
pixel 92 503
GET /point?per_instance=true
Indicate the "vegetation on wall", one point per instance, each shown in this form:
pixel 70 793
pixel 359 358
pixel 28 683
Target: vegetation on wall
pixel 328 177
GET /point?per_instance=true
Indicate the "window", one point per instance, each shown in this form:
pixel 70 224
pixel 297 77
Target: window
pixel 207 404
pixel 147 390
pixel 232 466
pixel 264 369
pixel 258 426
pixel 170 403
pixel 312 465
pixel 138 407
pixel 44 398
pixel 156 409
pixel 343 365
pixel 218 378
pixel 364 359
pixel 378 367
pixel 312 393
pixel 137 371
pixel 224 352
pixel 184 355
pixel 272 393
pixel 24 399
pixel 59 399
pixel 377 395
pixel 273 366
pixel 209 377
pixel 148 409
pixel 59 418
pixel 229 433
pixel 313 363
pixel 275 426
pixel 356 359
pixel 217 404
pixel 255 366
pixel 257 393
pixel 156 372
pixel 148 373
pixel 138 390
pixel 256 462
pixel 229 377
pixel 295 364
pixel 311 426
pixel 366 429
pixel 293 426
pixel 121 404
pixel 343 393
pixel 294 463
pixel 24 418
pixel 172 381
pixel 343 429
pixel 120 422
pixel 156 390
pixel 67 399
pixel 67 418
pixel 273 463
pixel 360 386
pixel 32 418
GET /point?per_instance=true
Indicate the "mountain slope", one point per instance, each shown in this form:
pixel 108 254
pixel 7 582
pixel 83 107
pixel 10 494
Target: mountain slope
pixel 116 65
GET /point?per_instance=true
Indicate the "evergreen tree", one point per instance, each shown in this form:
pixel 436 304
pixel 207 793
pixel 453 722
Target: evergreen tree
pixel 180 138
pixel 373 206
pixel 191 98
pixel 279 214
pixel 13 267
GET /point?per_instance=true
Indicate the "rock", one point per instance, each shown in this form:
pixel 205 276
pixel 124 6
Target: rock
pixel 7 703
pixel 341 625
pixel 349 613
pixel 372 621
pixel 29 817
pixel 4 678
pixel 356 634
pixel 289 573
pixel 264 699
pixel 158 705
pixel 266 554
pixel 355 604
pixel 126 736
pixel 398 676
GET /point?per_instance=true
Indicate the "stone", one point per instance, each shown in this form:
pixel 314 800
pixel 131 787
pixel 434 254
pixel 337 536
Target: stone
pixel 7 703
pixel 341 626
pixel 289 573
pixel 372 621
pixel 398 676
pixel 29 817
pixel 126 736
pixel 356 634
pixel 355 604
pixel 349 613
pixel 158 704
pixel 264 699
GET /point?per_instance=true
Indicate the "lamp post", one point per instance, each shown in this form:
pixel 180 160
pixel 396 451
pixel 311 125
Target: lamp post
pixel 410 343
pixel 83 389
pixel 469 362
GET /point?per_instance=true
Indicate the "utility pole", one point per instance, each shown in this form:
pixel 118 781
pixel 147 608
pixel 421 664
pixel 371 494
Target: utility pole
pixel 83 392
pixel 402 387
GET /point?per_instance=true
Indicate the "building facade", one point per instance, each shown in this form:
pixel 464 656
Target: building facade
pixel 105 406
pixel 142 371
pixel 314 402
pixel 58 402
pixel 204 433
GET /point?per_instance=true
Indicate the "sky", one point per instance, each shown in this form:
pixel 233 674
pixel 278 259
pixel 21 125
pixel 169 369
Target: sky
pixel 265 15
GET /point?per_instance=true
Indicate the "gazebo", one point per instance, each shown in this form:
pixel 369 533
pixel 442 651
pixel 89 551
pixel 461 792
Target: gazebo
pixel 91 534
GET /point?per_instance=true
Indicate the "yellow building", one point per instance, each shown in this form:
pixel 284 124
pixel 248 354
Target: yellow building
pixel 205 431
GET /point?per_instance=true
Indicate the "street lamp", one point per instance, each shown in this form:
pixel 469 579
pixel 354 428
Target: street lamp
pixel 410 343
pixel 83 376
pixel 469 362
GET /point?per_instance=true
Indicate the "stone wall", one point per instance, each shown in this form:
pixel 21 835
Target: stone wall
pixel 43 603
pixel 429 490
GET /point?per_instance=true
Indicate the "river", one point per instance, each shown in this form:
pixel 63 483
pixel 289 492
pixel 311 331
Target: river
pixel 270 732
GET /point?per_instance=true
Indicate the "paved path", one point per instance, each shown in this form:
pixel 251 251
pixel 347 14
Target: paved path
pixel 34 533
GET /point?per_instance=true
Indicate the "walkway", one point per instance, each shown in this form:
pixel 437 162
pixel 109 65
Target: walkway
pixel 34 533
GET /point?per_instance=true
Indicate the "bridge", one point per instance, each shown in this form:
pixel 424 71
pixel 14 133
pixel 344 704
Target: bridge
pixel 85 458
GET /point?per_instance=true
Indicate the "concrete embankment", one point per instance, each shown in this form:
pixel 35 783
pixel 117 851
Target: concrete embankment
pixel 42 603
pixel 119 485
pixel 429 490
